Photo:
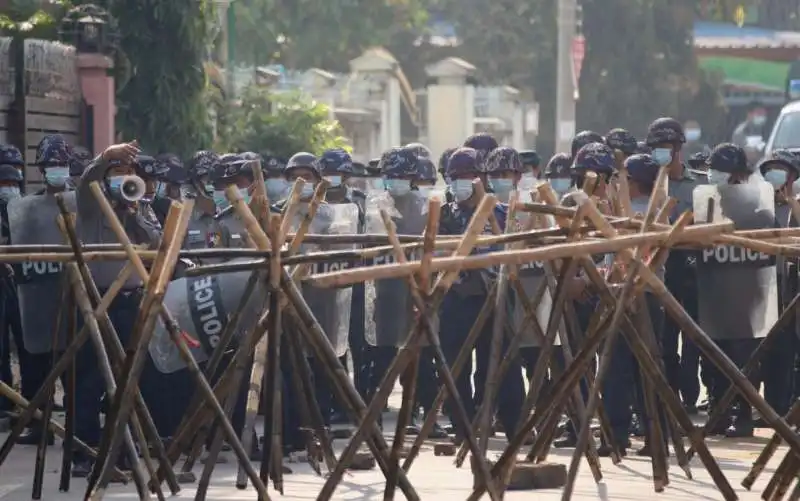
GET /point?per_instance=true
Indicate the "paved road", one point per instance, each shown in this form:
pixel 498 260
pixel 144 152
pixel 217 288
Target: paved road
pixel 434 477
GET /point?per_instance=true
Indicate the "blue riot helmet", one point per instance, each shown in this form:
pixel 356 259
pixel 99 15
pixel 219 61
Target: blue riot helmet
pixel 275 183
pixel 336 166
pixel 199 168
pixel 175 175
pixel 780 168
pixel 621 140
pixel 699 161
pixel 642 172
pixel 81 158
pixel 443 160
pixel 666 137
pixel 10 182
pixel 359 169
pixel 531 161
pixel 583 138
pixel 426 176
pixel 303 165
pixel 231 169
pixel 558 172
pixel 641 147
pixel 483 143
pixel 150 172
pixel 399 169
pixel 420 150
pixel 54 157
pixel 463 167
pixel 594 157
pixel 727 164
pixel 503 170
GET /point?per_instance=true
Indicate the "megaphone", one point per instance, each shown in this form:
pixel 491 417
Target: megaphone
pixel 132 188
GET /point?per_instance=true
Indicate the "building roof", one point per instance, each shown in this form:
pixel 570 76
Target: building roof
pixel 715 35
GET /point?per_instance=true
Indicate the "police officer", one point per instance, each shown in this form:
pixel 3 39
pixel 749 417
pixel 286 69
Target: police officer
pixel 622 141
pixel 274 179
pixel 231 170
pixel 583 138
pixel 123 311
pixel 201 232
pixel 303 165
pixel 698 161
pixel 726 314
pixel 466 297
pixel 623 382
pixel 557 172
pixel 531 169
pixel 598 158
pixel 171 175
pixel 781 169
pixel 373 175
pixel 81 157
pixel 11 163
pixel 150 171
pixel 666 138
pixel 443 160
pixel 425 180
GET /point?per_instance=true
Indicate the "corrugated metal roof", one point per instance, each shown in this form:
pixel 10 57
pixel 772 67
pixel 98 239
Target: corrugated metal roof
pixel 711 35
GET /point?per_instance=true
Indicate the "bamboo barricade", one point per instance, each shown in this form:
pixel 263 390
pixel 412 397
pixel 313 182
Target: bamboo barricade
pixel 273 259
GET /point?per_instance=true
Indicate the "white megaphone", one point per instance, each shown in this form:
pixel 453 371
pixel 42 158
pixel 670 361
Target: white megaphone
pixel 132 188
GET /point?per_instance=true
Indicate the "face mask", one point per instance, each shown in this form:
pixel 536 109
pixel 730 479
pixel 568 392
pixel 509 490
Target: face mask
pixel 462 189
pixel 335 181
pixel 161 191
pixel 526 181
pixel 560 185
pixel 717 177
pixel 220 200
pixel 377 183
pixel 693 134
pixel 8 193
pixel 777 178
pixel 759 120
pixel 209 189
pixel 502 187
pixel 115 183
pixel 662 155
pixel 398 187
pixel 307 191
pixel 56 176
pixel 276 188
pixel 425 191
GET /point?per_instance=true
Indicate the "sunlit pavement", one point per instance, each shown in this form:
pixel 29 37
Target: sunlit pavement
pixel 434 478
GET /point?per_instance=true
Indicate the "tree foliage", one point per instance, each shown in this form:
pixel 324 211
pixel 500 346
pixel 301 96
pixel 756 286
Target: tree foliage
pixel 163 104
pixel 639 61
pixel 325 34
pixel 282 124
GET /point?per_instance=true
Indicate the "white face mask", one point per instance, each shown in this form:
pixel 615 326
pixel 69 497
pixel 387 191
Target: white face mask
pixel 56 176
pixel 276 188
pixel 560 184
pixel 335 181
pixel 308 191
pixel 8 193
pixel 398 187
pixel 692 134
pixel 502 188
pixel 662 155
pixel 462 189
pixel 776 177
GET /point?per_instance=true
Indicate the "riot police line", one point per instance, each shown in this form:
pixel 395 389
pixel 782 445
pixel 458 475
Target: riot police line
pixel 383 325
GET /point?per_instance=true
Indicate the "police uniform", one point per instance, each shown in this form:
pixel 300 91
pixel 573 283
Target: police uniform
pixel 229 230
pixel 201 231
pixel 779 360
pixel 464 301
pixel 681 368
pixel 123 311
pixel 11 162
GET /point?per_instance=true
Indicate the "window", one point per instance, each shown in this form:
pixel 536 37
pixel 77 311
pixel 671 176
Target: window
pixel 787 132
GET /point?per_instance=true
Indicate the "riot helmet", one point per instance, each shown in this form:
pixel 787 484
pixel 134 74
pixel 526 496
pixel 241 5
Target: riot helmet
pixel 399 169
pixel 503 171
pixel 530 160
pixel 463 167
pixel 443 162
pixel 275 183
pixel 176 175
pixel 55 159
pixel 594 157
pixel 419 149
pixel 231 170
pixel 81 158
pixel 558 173
pixel 665 136
pixel 780 168
pixel 10 181
pixel 426 176
pixel 483 143
pixel 583 138
pixel 641 147
pixel 336 166
pixel 727 164
pixel 622 140
pixel 642 170
pixel 699 161
pixel 303 165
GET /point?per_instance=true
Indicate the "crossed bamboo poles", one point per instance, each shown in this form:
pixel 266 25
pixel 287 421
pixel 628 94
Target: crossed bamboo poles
pixel 581 231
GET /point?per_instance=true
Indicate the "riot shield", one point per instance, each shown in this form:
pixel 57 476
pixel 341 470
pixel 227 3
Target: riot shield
pixel 32 221
pixel 533 279
pixel 737 287
pixel 202 306
pixel 331 306
pixel 390 313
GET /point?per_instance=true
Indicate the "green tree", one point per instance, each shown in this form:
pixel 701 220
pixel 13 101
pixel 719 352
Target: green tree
pixel 319 33
pixel 282 124
pixel 163 104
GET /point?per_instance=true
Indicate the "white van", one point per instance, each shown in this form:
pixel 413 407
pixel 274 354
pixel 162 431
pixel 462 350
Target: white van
pixel 786 131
